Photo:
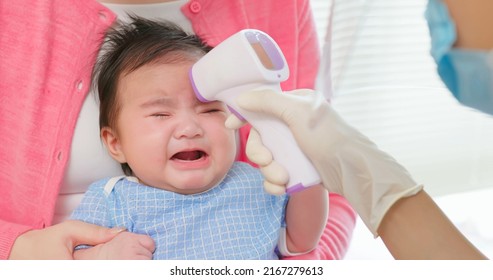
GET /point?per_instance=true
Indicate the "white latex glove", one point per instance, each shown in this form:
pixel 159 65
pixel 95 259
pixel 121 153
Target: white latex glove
pixel 347 161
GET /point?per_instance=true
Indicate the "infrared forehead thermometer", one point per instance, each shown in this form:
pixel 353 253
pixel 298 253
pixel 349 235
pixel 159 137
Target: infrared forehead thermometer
pixel 251 60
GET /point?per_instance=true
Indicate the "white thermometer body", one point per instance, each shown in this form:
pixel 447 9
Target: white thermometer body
pixel 251 60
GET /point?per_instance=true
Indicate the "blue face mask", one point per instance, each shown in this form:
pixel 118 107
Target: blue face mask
pixel 468 74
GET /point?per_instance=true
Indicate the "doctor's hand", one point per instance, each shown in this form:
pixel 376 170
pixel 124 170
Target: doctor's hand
pixel 58 242
pixel 348 163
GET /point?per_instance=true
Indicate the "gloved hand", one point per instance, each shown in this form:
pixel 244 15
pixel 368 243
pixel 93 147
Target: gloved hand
pixel 349 164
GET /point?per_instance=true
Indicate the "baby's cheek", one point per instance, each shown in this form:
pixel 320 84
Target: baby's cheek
pixel 231 145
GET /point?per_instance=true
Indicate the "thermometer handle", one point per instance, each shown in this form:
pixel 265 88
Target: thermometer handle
pixel 251 60
pixel 279 139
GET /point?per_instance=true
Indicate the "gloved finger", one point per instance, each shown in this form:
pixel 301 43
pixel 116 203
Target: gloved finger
pixel 274 189
pixel 256 151
pixel 275 173
pixel 271 102
pixel 233 122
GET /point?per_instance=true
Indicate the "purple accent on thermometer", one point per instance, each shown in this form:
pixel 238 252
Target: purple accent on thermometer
pixel 202 99
pixel 296 188
pixel 195 89
pixel 238 115
pixel 268 46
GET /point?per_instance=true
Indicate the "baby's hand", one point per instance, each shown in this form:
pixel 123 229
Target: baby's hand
pixel 125 246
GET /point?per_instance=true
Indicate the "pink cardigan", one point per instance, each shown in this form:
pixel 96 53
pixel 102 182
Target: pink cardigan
pixel 47 51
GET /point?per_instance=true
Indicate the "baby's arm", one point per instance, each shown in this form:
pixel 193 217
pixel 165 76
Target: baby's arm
pixel 306 217
pixel 125 246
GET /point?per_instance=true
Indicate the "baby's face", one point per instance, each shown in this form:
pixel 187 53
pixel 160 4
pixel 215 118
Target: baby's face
pixel 169 138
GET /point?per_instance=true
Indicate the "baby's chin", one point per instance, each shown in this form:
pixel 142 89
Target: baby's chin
pixel 192 186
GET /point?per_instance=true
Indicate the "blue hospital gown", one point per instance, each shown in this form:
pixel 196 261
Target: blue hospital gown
pixel 234 220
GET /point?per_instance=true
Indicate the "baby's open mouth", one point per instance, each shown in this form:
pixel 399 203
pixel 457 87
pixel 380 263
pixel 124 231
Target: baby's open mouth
pixel 189 155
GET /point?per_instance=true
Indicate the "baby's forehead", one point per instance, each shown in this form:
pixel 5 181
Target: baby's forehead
pixel 170 100
pixel 145 88
pixel 179 56
pixel 137 61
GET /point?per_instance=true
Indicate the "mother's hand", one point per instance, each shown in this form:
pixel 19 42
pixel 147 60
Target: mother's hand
pixel 58 241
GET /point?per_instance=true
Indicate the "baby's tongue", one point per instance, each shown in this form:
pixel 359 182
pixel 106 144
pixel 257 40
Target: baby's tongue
pixel 190 155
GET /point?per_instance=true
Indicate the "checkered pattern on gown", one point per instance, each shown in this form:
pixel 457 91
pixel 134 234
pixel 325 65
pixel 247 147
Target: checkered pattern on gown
pixel 234 220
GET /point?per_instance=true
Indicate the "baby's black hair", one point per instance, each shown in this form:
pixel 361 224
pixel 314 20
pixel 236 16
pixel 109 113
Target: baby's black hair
pixel 129 46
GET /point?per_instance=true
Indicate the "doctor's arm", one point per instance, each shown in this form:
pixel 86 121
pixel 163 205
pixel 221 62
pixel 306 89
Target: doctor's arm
pixel 390 203
pixel 416 228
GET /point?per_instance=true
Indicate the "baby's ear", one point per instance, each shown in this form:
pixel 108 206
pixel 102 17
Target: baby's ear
pixel 112 143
